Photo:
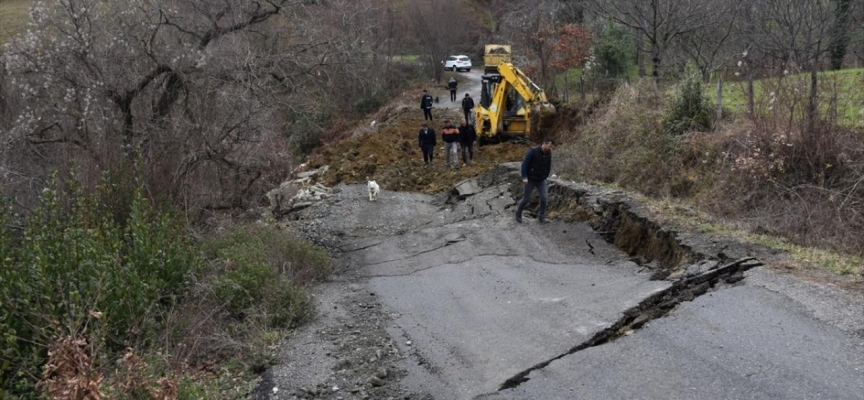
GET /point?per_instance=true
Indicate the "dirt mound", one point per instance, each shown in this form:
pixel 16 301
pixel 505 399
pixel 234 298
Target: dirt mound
pixel 389 154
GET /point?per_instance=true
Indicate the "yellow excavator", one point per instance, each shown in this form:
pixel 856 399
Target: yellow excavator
pixel 511 106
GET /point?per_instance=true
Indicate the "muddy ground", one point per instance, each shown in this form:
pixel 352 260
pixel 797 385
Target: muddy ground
pixel 384 147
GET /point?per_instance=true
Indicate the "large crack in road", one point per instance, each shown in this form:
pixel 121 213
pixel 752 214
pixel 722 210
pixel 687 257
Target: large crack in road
pixel 470 304
pixel 653 307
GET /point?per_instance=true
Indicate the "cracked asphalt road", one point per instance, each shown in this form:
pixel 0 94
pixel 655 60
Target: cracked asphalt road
pixel 461 298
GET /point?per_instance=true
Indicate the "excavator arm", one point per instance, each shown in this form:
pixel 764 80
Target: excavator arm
pixel 510 104
pixel 522 84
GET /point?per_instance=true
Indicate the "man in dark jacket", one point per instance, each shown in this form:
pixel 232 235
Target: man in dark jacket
pixel 426 140
pixel 450 135
pixel 452 86
pixel 467 137
pixel 467 106
pixel 535 169
pixel 426 105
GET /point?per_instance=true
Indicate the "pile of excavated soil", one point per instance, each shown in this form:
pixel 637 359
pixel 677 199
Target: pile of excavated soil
pixel 389 154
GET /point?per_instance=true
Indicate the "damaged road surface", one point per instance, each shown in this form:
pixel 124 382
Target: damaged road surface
pixel 450 298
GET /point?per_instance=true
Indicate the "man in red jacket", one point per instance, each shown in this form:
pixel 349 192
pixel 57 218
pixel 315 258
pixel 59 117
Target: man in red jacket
pixel 450 135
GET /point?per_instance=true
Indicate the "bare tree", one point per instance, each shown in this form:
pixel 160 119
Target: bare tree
pixel 498 10
pixel 796 33
pixel 440 27
pixel 201 96
pixel 709 45
pixel 660 21
pixel 532 25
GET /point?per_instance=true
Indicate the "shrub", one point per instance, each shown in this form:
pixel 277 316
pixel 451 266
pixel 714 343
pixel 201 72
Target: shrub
pixel 613 53
pixel 73 261
pixel 263 270
pixel 690 109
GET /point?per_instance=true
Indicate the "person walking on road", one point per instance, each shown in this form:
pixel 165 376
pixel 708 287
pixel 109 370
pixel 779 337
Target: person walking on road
pixel 452 85
pixel 467 106
pixel 535 170
pixel 450 135
pixel 426 105
pixel 426 140
pixel 467 137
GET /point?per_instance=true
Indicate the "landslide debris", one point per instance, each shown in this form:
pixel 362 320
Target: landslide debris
pixel 387 152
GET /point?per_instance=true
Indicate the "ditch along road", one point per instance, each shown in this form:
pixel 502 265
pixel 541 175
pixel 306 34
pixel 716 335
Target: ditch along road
pixel 447 297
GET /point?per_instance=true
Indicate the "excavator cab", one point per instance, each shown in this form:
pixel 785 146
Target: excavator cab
pixel 510 105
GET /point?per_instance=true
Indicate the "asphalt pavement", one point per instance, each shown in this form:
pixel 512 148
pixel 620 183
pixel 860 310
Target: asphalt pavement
pixel 471 299
pixel 482 297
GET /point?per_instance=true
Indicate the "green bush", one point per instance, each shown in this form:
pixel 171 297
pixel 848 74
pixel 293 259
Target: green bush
pixel 613 53
pixel 74 260
pixel 262 270
pixel 690 109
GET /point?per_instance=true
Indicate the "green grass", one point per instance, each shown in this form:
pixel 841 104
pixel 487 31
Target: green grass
pixel 13 18
pixel 844 84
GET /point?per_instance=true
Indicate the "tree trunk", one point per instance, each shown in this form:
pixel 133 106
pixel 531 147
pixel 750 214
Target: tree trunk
pixel 655 49
pixel 566 87
pixel 750 101
pixel 655 71
pixel 640 57
pixel 719 116
pixel 812 111
pixel 840 34
pixel 582 87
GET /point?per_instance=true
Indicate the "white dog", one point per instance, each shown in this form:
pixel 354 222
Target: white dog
pixel 373 190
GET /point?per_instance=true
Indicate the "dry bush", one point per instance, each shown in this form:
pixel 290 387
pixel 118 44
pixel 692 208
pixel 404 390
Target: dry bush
pixel 790 180
pixel 135 381
pixel 70 373
pixel 624 146
pixel 768 172
pixel 808 186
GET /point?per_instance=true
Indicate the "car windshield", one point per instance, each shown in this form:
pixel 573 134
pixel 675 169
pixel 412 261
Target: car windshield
pixel 463 58
pixel 452 58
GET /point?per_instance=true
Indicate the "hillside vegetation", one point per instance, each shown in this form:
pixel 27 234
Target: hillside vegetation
pixel 765 177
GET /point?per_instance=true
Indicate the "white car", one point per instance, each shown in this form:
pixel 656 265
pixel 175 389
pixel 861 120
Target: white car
pixel 456 63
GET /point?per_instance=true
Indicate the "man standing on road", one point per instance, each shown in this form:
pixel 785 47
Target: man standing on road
pixel 452 85
pixel 467 137
pixel 427 143
pixel 426 105
pixel 467 106
pixel 535 170
pixel 450 135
